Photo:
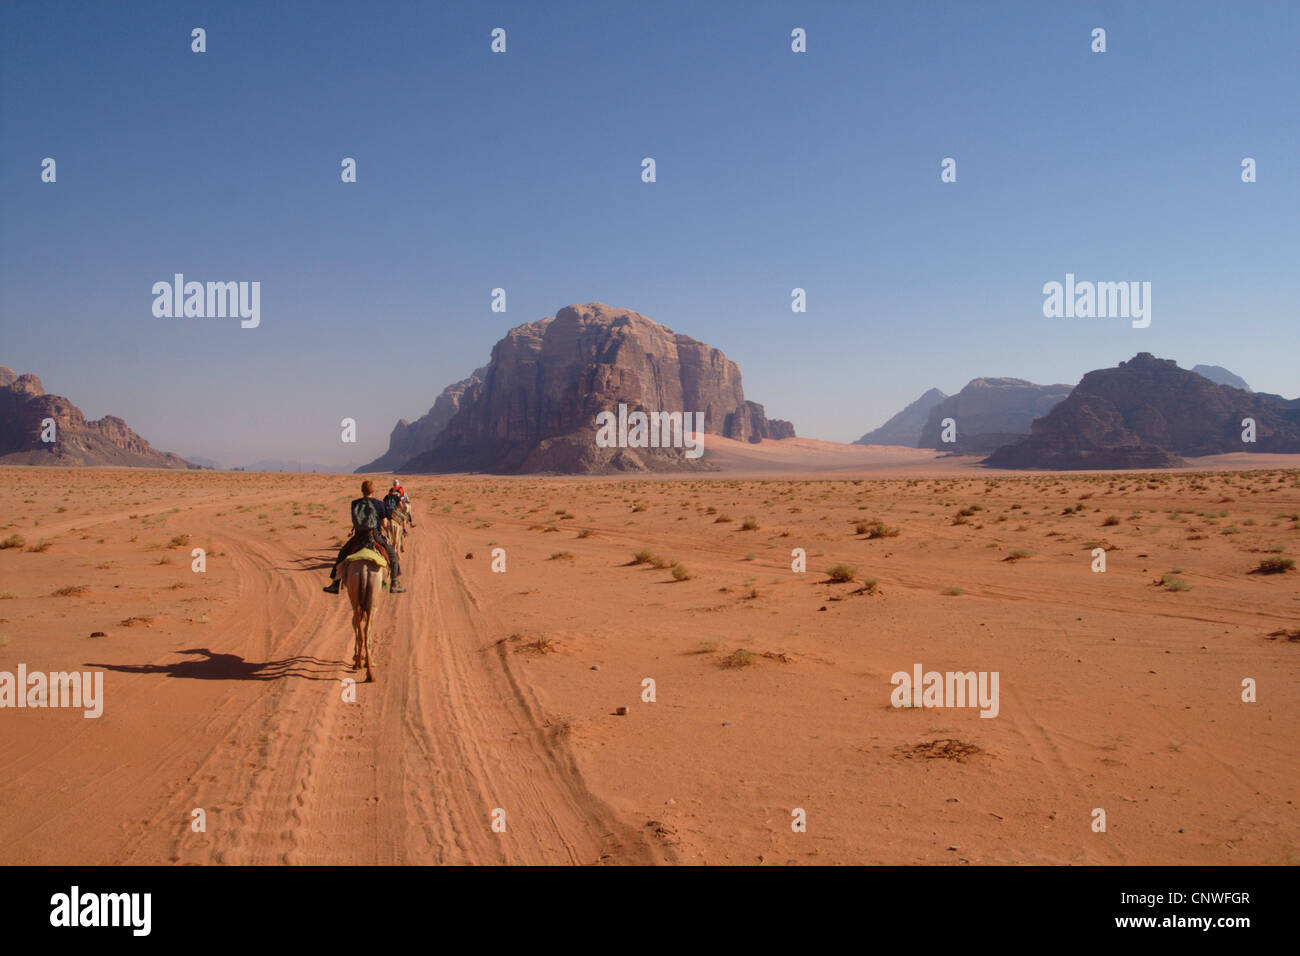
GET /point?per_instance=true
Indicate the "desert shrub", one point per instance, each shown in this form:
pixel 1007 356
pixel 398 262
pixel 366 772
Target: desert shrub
pixel 738 658
pixel 875 529
pixel 1275 566
pixel 842 573
pixel 13 541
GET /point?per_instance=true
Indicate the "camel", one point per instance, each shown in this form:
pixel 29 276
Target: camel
pixel 364 576
pixel 397 531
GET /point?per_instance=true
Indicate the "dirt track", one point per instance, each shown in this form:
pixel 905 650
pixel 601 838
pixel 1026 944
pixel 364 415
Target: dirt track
pixel 260 738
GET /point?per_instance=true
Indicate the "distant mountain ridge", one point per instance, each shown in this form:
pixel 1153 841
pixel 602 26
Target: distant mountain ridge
pixel 989 412
pixel 295 465
pixel 1221 376
pixel 1148 413
pixel 409 439
pixel 905 428
pixel 25 406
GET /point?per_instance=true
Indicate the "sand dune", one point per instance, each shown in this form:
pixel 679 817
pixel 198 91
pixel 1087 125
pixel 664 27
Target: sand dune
pixel 810 456
pixel 772 688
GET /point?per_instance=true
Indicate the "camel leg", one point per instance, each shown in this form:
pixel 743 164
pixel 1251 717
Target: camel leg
pixel 372 584
pixel 360 642
pixel 370 674
pixel 353 584
pixel 377 581
pixel 361 639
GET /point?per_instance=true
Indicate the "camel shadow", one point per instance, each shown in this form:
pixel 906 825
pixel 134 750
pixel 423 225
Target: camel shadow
pixel 233 667
pixel 326 559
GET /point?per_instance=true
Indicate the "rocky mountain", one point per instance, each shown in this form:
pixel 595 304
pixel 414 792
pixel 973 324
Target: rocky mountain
pixel 534 407
pixel 1279 400
pixel 1147 413
pixel 409 439
pixel 989 412
pixel 905 427
pixel 24 406
pixel 1221 376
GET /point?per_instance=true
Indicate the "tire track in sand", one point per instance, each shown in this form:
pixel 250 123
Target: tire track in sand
pixel 476 739
pixel 408 774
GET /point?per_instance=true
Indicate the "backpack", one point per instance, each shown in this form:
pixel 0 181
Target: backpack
pixel 393 501
pixel 366 515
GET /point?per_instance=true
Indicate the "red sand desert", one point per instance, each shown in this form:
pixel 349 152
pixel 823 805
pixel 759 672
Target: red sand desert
pixel 500 691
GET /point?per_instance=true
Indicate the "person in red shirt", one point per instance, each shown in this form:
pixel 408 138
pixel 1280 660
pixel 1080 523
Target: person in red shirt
pixel 398 490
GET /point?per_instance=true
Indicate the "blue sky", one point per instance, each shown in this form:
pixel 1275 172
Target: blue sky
pixel 775 170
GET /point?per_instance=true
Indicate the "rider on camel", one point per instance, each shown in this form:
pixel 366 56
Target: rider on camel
pixel 368 517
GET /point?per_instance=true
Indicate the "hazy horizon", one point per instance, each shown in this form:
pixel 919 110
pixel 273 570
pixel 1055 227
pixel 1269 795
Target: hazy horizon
pixel 522 170
pixel 349 462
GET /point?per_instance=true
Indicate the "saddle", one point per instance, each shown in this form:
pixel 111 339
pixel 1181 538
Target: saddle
pixel 368 554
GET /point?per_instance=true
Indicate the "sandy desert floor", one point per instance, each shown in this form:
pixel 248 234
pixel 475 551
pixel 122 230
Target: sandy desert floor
pixel 500 690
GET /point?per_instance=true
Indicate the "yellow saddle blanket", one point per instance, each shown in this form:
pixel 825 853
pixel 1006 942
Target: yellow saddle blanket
pixel 368 554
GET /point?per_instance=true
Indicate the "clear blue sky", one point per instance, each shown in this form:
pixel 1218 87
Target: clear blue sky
pixel 522 170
